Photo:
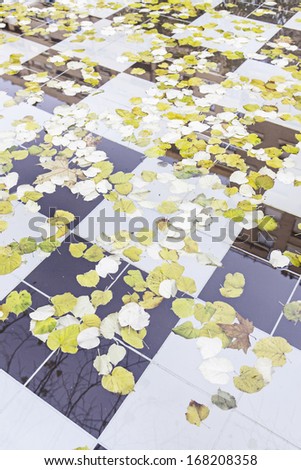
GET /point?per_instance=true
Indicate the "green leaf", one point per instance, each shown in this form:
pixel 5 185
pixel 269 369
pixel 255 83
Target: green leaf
pixel 120 381
pixel 49 246
pixel 133 253
pixel 63 303
pixel 45 326
pixel 292 311
pixel 186 284
pixel 249 380
pixel 99 297
pixel 77 249
pixel 27 245
pixel 66 339
pixel 9 261
pixel 135 280
pixel 133 337
pixel 94 254
pixel 167 207
pixel 268 224
pixel 273 348
pixel 6 207
pixel 18 302
pixel 187 330
pixel 233 285
pixel 224 400
pixel 183 308
pixel 196 413
pixel 88 279
pixel 265 182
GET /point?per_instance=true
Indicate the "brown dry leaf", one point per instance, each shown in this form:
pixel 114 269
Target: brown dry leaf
pixel 239 333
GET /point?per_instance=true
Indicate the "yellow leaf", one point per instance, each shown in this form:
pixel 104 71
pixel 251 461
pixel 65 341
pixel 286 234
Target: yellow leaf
pixel 88 279
pixel 120 381
pixel 77 249
pixel 133 337
pixel 196 413
pixel 233 285
pixel 63 303
pixel 99 297
pixel 273 348
pixel 249 380
pixel 66 339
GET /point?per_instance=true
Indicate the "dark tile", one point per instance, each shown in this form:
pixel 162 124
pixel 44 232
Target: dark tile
pixel 40 63
pixel 265 291
pixel 285 4
pixel 162 318
pixel 162 25
pixel 57 273
pixel 288 329
pixel 260 242
pixel 70 384
pixel 20 352
pixel 12 25
pixel 238 8
pixel 277 16
pixel 99 447
pixel 29 169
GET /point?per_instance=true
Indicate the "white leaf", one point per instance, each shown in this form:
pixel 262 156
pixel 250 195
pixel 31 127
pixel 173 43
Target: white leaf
pixel 108 265
pixel 278 260
pixel 89 338
pixel 109 326
pixel 134 316
pixel 83 307
pixel 216 370
pixel 42 313
pixel 102 365
pixel 116 353
pixel 168 288
pixel 264 366
pixel 209 347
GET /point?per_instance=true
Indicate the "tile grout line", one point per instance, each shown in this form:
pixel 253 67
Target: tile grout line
pixel 288 301
pixel 39 368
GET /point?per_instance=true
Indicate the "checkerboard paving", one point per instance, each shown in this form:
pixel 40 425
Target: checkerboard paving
pixel 54 400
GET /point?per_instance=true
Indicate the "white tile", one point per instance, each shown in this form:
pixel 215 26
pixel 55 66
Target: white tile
pixel 182 357
pixel 19 112
pixel 294 22
pixel 277 405
pixel 285 197
pixel 22 224
pixel 116 93
pixel 153 417
pixel 242 433
pixel 27 48
pixel 229 23
pixel 29 423
pixel 237 98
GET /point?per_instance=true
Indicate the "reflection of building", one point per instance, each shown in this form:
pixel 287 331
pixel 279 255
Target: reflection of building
pixel 285 237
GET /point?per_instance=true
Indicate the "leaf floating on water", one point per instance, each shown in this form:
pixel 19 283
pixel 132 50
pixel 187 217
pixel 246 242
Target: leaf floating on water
pixel 224 400
pixel 18 302
pixel 233 285
pixel 292 311
pixel 120 381
pixel 196 413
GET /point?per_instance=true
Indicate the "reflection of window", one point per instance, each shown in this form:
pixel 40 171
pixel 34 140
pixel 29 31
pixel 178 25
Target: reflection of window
pixel 276 214
pixel 293 248
pixel 296 230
